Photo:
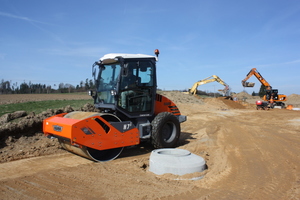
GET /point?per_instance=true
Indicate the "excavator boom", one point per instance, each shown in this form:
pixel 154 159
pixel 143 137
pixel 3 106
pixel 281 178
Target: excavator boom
pixel 210 79
pixel 254 72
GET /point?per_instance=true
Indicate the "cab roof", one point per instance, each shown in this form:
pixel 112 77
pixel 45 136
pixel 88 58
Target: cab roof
pixel 111 57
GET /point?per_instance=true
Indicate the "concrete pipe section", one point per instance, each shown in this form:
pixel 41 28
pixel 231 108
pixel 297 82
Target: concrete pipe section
pixel 175 161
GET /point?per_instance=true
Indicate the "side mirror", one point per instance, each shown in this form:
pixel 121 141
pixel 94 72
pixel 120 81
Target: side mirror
pixel 91 93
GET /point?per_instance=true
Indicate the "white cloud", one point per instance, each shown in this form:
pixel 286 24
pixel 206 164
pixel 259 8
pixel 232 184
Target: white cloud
pixel 20 17
pixel 35 24
pixel 277 64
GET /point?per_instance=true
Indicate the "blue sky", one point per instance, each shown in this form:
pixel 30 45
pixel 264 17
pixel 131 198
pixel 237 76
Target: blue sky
pixel 54 42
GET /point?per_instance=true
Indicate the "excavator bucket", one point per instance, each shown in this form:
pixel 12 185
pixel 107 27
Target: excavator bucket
pixel 248 84
pixel 96 136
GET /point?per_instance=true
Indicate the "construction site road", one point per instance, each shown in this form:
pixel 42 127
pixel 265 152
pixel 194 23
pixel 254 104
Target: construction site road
pixel 250 154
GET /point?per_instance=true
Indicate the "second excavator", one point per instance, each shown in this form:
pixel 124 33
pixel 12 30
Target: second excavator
pixel 210 79
pixel 271 95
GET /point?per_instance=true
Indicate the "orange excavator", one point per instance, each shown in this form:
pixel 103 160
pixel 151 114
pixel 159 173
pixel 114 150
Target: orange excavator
pixel 130 111
pixel 271 95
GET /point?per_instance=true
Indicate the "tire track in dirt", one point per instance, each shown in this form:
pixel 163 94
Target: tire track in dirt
pixel 268 167
pixel 35 178
pixel 265 167
pixel 25 167
pixel 48 187
pixel 262 162
pixel 93 181
pixel 240 176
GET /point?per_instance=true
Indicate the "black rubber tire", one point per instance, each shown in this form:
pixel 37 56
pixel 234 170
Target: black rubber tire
pixel 165 130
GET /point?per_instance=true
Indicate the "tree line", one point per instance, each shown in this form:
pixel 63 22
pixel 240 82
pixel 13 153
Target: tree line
pixel 9 87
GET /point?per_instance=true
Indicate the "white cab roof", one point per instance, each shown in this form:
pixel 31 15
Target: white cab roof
pixel 110 58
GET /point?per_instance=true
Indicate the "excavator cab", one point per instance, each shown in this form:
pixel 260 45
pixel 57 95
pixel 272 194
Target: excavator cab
pixel 275 94
pixel 271 94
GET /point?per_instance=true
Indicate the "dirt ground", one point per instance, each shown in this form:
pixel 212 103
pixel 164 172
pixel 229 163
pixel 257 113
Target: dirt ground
pixel 250 154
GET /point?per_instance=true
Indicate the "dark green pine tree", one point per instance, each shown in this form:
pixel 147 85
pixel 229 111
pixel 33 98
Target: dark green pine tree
pixel 262 91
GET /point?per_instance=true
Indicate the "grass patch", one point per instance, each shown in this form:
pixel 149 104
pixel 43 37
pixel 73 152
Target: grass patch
pixel 40 106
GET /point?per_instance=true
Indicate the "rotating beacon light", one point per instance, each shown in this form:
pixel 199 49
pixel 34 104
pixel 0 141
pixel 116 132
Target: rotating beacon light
pixel 156 51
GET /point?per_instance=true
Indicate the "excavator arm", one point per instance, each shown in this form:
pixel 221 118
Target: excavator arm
pixel 226 90
pixel 254 72
pixel 193 90
pixel 210 79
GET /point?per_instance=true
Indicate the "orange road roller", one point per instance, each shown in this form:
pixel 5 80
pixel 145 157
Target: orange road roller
pixel 130 111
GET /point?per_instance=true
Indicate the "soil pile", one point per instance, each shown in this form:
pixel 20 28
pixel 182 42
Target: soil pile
pixel 293 99
pixel 180 97
pixel 22 137
pixel 11 116
pixel 244 95
pixel 220 103
pixel 28 146
pixel 231 104
pixel 215 104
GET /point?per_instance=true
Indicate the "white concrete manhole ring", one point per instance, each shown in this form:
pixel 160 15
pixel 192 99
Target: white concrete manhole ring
pixel 175 161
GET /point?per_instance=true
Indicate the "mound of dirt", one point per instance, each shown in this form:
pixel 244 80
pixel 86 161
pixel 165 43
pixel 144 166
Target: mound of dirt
pixel 220 103
pixel 215 104
pixel 28 146
pixel 293 99
pixel 11 116
pixel 244 95
pixel 231 104
pixel 15 136
pixel 180 97
pixel 27 125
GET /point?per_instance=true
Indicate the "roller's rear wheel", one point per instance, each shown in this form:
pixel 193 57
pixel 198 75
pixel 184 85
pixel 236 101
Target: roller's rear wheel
pixel 165 130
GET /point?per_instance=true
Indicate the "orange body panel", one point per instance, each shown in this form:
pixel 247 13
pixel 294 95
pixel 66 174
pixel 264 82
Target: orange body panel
pixel 93 132
pixel 52 125
pixel 281 97
pixel 163 104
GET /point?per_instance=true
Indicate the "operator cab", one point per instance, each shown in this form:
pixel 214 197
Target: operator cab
pixel 271 94
pixel 125 83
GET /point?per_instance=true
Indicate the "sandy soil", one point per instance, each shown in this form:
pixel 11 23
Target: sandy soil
pixel 250 154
